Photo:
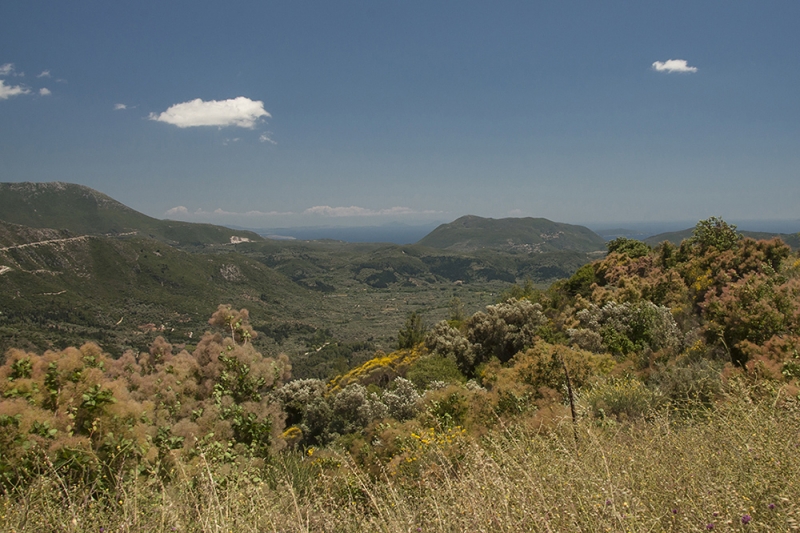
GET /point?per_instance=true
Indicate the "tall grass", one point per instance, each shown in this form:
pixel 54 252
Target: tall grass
pixel 734 468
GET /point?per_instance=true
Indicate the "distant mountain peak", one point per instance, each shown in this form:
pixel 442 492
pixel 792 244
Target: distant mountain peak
pixel 519 235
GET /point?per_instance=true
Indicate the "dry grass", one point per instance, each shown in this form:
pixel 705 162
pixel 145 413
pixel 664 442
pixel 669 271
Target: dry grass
pixel 666 474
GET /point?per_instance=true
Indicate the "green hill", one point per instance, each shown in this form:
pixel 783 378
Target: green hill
pixel 516 235
pixel 57 289
pixel 84 211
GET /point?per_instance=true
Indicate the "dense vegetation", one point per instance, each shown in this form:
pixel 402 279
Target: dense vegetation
pixel 655 389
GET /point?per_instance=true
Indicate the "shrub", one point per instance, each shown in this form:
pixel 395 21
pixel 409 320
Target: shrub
pixel 618 399
pixel 402 400
pixel 543 367
pixel 450 343
pixel 434 367
pixel 353 408
pixel 627 327
pixel 504 329
pixel 447 408
pixel 688 383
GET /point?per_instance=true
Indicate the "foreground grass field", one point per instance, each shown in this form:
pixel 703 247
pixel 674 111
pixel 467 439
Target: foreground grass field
pixel 735 467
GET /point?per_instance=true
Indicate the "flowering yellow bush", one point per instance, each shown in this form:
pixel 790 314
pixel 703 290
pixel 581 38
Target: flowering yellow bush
pixel 383 367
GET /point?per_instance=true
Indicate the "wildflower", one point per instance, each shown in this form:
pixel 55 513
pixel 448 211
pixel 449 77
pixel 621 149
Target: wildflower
pixel 746 519
pixel 674 511
pixel 710 526
pixel 771 506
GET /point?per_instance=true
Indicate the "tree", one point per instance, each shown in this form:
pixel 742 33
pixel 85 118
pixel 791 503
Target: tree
pixel 630 247
pixel 412 333
pixel 715 232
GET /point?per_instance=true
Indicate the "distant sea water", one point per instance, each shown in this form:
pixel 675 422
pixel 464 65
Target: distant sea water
pixel 396 234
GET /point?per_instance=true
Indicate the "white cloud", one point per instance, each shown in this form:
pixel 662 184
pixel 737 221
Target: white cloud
pixel 44 91
pixel 266 213
pixel 7 69
pixel 673 65
pixel 254 213
pixel 241 112
pixel 355 211
pixel 44 74
pixel 183 211
pixel 118 107
pixel 177 210
pixel 7 91
pixel 265 138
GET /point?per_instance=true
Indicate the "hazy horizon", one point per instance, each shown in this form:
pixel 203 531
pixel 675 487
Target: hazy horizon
pixel 400 233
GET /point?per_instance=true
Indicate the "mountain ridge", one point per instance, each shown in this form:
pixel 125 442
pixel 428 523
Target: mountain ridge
pixel 82 210
pixel 516 235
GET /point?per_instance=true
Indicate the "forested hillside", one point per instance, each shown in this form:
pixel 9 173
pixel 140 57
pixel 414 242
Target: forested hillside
pixel 85 211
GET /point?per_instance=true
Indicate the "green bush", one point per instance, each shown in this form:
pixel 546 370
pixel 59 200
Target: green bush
pixel 630 247
pixel 434 367
pixel 691 383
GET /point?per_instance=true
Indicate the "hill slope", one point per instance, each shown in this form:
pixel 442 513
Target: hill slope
pixel 85 211
pixel 520 235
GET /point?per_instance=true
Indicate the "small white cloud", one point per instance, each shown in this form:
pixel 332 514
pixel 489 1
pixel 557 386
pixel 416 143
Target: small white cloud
pixel 241 112
pixel 355 211
pixel 7 69
pixel 44 74
pixel 177 210
pixel 44 91
pixel 254 213
pixel 226 142
pixel 118 107
pixel 265 138
pixel 673 65
pixel 183 211
pixel 266 213
pixel 7 91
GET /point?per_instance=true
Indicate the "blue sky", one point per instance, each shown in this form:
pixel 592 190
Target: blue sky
pixel 270 114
